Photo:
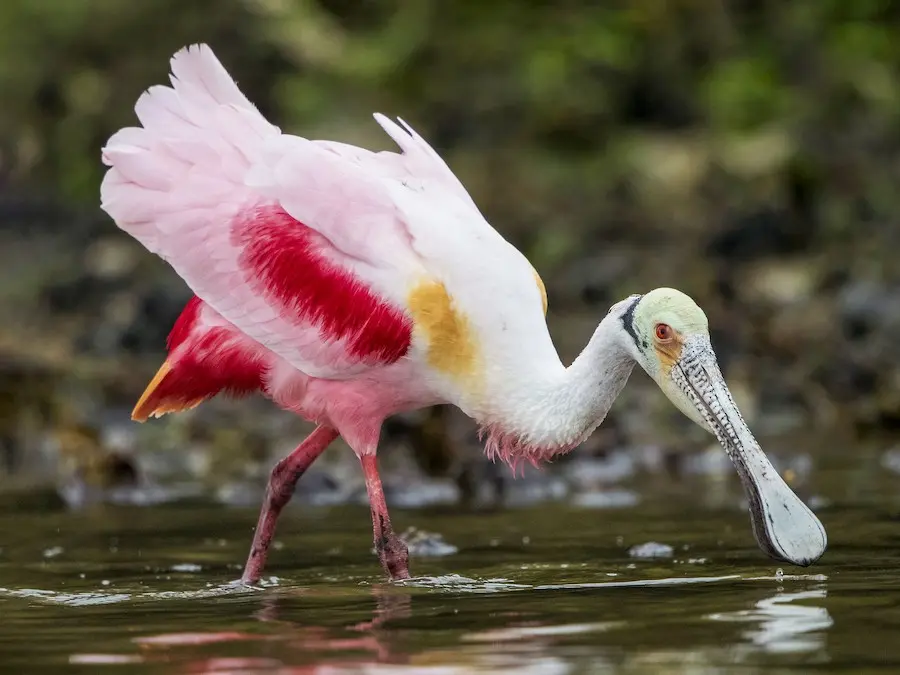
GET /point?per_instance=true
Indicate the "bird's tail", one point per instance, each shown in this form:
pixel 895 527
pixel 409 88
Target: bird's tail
pixel 202 132
pixel 206 356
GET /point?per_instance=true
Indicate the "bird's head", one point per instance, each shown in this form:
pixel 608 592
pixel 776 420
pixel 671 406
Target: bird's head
pixel 668 335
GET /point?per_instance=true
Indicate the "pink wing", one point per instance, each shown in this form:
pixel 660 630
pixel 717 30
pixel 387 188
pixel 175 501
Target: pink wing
pixel 295 242
pixel 418 161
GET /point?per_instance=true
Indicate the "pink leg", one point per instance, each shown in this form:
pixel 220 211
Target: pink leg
pixel 282 481
pixel 391 550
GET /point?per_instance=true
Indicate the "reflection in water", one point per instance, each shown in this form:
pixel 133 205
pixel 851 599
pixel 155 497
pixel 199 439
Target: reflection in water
pixel 84 598
pixel 778 624
pixel 452 583
pixel 367 647
pixel 570 601
pixel 784 627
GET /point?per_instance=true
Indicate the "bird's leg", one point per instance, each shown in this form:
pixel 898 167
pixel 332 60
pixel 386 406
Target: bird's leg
pixel 391 550
pixel 281 485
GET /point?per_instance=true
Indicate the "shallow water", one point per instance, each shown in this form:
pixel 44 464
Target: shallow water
pixel 544 589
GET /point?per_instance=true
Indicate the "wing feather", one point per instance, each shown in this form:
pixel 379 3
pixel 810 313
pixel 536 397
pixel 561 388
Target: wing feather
pixel 311 248
pixel 206 171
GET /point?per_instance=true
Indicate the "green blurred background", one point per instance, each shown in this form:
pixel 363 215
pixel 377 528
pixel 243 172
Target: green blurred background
pixel 745 152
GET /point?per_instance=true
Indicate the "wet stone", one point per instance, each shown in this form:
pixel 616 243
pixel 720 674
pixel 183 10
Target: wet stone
pixel 651 549
pixel 890 460
pixel 613 467
pixel 321 488
pixel 533 486
pixel 79 494
pixel 607 499
pixel 427 544
pixel 240 493
pixel 421 493
pixel 710 462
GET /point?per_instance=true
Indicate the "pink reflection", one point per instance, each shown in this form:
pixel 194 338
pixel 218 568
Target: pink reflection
pixel 241 666
pixel 178 639
pixel 103 659
pixel 350 647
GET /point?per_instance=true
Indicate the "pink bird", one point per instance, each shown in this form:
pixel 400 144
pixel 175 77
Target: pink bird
pixel 348 286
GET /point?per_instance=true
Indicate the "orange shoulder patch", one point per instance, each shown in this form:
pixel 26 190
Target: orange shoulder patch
pixel 452 348
pixel 541 289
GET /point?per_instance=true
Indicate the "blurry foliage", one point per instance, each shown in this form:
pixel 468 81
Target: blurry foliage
pixel 618 143
pixel 564 77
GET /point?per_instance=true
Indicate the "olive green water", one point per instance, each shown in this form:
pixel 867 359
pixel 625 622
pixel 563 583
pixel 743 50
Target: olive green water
pixel 545 589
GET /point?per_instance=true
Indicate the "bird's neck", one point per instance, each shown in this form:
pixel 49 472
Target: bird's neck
pixel 554 409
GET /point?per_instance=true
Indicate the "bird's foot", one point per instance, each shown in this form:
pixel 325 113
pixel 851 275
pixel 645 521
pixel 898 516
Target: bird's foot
pixel 394 556
pixel 254 567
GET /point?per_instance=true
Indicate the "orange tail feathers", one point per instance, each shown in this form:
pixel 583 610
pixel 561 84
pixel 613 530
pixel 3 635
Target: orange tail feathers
pixel 159 397
pixel 205 358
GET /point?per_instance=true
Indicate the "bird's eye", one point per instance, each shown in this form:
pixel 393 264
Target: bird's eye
pixel 663 332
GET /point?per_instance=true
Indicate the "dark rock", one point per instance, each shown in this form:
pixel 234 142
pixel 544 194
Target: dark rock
pixel 321 488
pixel 75 295
pixel 847 380
pixel 867 306
pixel 158 309
pixel 764 232
pixel 654 100
pixel 590 281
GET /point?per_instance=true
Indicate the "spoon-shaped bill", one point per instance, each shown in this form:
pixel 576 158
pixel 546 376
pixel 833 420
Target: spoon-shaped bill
pixel 784 526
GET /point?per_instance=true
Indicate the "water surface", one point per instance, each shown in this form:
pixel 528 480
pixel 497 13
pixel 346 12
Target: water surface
pixel 547 589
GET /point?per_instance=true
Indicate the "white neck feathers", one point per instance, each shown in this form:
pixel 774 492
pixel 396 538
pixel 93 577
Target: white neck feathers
pixel 552 409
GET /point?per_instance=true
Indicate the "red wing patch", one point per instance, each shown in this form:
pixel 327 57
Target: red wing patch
pixel 202 362
pixel 184 324
pixel 282 260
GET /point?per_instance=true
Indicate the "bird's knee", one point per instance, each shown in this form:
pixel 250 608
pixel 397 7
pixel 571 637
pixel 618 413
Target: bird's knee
pixel 282 481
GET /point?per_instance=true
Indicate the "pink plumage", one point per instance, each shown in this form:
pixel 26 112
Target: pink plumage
pixel 343 284
pixel 348 285
pixel 274 245
pixel 299 256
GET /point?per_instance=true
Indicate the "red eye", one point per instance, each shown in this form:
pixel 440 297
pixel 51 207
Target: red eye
pixel 663 331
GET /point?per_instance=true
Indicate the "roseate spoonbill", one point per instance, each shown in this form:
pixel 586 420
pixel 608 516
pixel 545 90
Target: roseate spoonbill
pixel 349 285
